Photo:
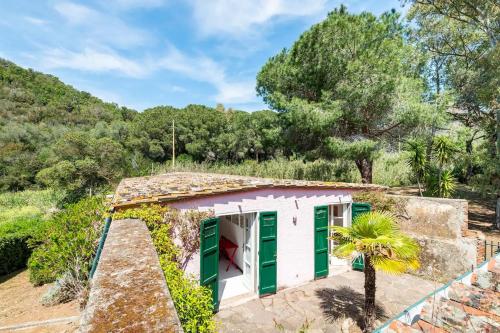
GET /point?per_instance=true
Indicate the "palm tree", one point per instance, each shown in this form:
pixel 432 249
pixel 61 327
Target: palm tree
pixel 376 237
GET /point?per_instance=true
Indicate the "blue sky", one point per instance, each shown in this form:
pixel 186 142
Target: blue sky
pixel 143 53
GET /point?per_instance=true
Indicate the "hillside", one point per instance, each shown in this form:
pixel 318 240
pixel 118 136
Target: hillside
pixel 54 135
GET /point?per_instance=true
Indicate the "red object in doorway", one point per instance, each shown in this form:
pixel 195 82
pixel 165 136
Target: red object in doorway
pixel 227 246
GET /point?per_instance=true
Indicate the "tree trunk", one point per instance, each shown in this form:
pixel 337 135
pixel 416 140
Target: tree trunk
pixel 468 150
pixel 370 288
pixel 419 187
pixel 365 167
pixel 498 212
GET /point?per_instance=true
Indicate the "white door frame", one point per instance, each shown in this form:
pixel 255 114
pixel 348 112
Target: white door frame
pixel 252 245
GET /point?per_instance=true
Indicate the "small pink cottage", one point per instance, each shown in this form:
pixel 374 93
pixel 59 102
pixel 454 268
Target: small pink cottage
pixel 266 235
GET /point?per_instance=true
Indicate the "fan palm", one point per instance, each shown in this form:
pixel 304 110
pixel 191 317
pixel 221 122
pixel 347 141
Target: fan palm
pixel 376 237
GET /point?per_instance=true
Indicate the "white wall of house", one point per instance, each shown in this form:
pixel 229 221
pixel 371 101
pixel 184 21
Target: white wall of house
pixel 295 241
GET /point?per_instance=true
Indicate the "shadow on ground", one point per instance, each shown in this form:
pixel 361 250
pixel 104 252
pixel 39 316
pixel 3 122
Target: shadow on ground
pixel 345 302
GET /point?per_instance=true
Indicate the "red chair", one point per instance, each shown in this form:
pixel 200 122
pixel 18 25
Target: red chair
pixel 229 249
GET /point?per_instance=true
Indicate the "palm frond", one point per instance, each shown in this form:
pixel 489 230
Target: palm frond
pixel 344 250
pixel 376 235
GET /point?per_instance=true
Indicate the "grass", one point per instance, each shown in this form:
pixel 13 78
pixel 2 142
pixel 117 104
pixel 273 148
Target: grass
pixel 389 169
pixel 27 205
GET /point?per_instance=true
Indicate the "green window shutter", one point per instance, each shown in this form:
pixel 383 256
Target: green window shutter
pixel 359 208
pixel 320 241
pixel 209 257
pixel 267 252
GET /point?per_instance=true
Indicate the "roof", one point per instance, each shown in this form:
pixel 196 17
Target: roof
pixel 181 185
pixel 471 303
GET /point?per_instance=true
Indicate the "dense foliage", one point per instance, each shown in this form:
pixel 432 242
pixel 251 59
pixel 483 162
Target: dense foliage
pixel 192 301
pixel 22 217
pixel 461 42
pixel 14 249
pixel 68 243
pixel 53 135
pixel 346 84
pixel 350 91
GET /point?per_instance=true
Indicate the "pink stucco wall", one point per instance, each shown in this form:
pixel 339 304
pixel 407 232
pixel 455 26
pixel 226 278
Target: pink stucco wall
pixel 295 241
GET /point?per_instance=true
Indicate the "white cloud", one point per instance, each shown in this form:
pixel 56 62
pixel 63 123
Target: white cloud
pixel 74 13
pixel 88 24
pixel 204 69
pixel 35 21
pixel 235 17
pixel 92 60
pixel 128 4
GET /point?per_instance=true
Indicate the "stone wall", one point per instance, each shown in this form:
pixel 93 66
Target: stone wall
pixel 440 226
pixel 129 292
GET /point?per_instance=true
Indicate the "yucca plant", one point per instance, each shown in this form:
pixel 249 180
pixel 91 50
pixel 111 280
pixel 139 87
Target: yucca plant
pixel 442 184
pixel 417 161
pixel 376 236
pixel 443 149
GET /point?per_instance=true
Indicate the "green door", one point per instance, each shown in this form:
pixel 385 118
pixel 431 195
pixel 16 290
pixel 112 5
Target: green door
pixel 320 241
pixel 209 257
pixel 267 252
pixel 359 208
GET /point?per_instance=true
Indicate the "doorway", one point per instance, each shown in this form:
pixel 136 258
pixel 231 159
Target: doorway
pixel 339 215
pixel 237 248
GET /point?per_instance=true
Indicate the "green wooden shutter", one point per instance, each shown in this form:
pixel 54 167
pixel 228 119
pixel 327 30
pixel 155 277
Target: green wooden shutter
pixel 267 252
pixel 359 208
pixel 209 257
pixel 320 241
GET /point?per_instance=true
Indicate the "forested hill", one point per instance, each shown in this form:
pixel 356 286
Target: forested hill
pixel 26 95
pixel 54 135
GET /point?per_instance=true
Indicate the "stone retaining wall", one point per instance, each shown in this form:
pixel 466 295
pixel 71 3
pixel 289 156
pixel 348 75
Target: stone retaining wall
pixel 128 291
pixel 440 226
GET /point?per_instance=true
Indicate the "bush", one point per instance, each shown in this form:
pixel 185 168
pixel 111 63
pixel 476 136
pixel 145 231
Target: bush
pixel 391 169
pixel 15 240
pixel 192 301
pixel 69 243
pixel 22 216
pixel 14 252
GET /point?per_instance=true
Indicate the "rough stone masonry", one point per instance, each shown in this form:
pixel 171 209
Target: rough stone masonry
pixel 129 292
pixel 440 226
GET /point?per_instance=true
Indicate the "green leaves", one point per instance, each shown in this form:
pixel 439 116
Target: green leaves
pixel 375 234
pixel 68 243
pixel 346 84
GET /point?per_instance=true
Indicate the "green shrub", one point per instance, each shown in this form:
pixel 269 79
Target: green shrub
pixel 192 301
pixel 16 243
pixel 14 252
pixel 391 169
pixel 68 243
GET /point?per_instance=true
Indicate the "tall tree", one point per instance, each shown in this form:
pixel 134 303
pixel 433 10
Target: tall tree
pixel 346 84
pixel 464 34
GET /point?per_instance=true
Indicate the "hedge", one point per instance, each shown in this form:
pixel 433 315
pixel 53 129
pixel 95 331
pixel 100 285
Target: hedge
pixel 14 252
pixel 16 242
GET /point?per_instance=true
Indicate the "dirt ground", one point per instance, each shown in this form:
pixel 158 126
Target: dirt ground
pixel 20 304
pixel 481 209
